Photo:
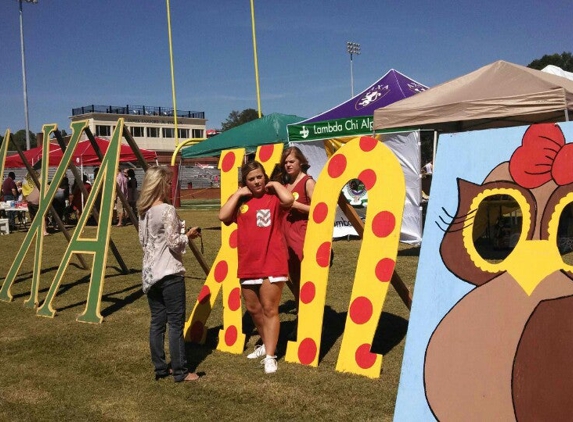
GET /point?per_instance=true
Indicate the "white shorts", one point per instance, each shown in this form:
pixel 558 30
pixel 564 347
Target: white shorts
pixel 254 281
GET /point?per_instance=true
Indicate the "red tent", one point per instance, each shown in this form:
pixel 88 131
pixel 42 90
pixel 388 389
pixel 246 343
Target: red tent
pixel 33 155
pixel 83 155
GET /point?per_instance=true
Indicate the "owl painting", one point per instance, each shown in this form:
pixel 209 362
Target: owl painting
pixel 501 347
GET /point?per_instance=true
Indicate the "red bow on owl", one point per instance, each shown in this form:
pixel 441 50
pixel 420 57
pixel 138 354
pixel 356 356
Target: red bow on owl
pixel 542 156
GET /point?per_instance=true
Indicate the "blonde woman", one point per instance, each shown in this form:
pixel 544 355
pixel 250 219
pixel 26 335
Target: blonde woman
pixel 163 238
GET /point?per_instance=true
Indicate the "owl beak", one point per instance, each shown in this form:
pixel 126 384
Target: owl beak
pixel 532 261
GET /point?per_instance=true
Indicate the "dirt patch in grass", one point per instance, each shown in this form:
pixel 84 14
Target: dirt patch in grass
pixel 209 193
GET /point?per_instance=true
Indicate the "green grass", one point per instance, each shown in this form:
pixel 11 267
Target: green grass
pixel 59 369
pixel 199 204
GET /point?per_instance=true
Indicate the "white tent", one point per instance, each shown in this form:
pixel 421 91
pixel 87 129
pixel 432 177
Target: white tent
pixel 556 70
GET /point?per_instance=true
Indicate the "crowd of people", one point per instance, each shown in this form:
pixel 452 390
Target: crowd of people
pixel 68 202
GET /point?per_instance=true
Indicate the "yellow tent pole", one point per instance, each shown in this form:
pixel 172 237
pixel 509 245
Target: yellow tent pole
pixel 190 141
pixel 256 61
pixel 172 74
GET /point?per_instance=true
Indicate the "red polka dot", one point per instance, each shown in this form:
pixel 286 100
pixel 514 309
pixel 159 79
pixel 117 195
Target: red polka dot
pixel 385 269
pixel 266 152
pixel 364 357
pixel 360 310
pixel 383 224
pixel 323 255
pixel 307 351
pixel 320 212
pixel 307 292
pixel 196 331
pixel 228 162
pixel 336 165
pixel 235 299
pixel 367 143
pixel 231 335
pixel 204 295
pixel 368 177
pixel 233 239
pixel 221 270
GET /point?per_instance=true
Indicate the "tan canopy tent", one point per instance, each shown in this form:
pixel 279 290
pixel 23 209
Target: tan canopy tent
pixel 501 94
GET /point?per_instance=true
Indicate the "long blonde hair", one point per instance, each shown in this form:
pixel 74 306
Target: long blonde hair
pixel 156 186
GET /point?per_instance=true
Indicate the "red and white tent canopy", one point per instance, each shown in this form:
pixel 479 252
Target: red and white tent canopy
pixel 84 154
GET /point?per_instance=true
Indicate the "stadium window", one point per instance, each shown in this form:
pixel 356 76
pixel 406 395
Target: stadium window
pixel 168 132
pixel 102 130
pixel 153 132
pixel 137 131
pixel 197 133
pixel 183 133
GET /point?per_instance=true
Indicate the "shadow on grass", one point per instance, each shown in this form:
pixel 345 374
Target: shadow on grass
pixel 27 276
pixel 414 251
pixel 116 303
pixel 63 288
pixel 389 333
pixel 196 353
pixel 119 303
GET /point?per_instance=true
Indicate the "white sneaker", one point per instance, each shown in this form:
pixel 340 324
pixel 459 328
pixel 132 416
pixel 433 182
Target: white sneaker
pixel 270 363
pixel 258 353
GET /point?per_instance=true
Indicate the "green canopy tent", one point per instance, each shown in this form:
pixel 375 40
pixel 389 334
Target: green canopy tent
pixel 270 129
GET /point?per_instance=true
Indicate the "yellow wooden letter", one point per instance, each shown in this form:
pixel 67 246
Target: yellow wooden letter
pixel 377 167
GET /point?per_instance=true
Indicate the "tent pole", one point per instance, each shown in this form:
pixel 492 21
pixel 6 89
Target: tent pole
pixel 434 147
pixel 566 115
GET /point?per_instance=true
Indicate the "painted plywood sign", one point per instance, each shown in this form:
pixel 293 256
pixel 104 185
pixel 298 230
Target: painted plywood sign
pixel 490 335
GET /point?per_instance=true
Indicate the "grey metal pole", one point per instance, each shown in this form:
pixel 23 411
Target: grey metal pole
pixel 351 78
pixel 24 77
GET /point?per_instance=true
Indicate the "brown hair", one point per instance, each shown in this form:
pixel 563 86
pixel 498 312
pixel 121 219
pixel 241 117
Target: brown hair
pixel 248 167
pixel 304 166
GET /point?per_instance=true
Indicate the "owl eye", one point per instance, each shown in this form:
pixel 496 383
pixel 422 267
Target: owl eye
pixel 565 233
pixel 497 226
pixel 502 219
pixel 558 221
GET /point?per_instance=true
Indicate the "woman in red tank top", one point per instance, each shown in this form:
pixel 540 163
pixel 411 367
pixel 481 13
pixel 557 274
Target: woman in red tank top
pixel 293 167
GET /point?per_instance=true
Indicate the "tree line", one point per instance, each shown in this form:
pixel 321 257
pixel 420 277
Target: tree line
pixel 237 118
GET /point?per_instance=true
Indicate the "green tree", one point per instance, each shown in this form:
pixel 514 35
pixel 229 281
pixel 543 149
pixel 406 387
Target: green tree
pixel 237 118
pixel 20 139
pixel 563 60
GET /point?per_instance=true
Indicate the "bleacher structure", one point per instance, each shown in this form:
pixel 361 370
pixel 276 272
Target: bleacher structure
pixel 198 177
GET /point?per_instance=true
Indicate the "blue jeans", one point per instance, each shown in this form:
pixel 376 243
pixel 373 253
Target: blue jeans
pixel 167 304
pixel 11 214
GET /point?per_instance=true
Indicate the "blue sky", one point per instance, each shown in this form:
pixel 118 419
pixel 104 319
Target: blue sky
pixel 116 52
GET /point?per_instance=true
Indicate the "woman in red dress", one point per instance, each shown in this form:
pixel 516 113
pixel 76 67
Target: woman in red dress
pixel 294 166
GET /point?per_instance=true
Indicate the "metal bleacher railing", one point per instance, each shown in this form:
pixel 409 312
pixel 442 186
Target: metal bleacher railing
pixel 137 110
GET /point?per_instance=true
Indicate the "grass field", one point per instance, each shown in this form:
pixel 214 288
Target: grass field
pixel 59 369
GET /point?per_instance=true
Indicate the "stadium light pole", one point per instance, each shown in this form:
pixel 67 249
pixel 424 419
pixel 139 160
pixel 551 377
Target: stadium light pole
pixel 352 48
pixel 24 72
